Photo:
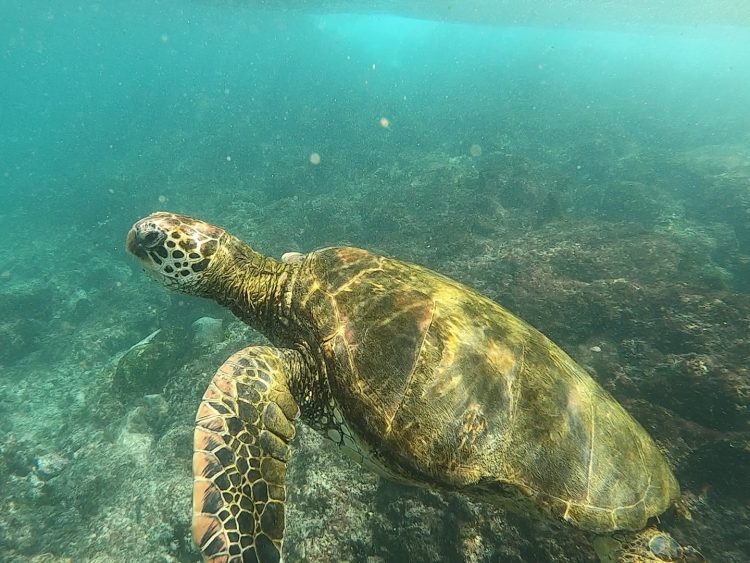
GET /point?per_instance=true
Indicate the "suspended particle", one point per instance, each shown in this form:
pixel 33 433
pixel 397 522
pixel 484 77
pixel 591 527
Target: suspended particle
pixel 475 150
pixel 314 159
pixel 385 123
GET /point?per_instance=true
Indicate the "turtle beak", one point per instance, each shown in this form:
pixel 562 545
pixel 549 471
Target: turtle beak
pixel 132 246
pixel 143 236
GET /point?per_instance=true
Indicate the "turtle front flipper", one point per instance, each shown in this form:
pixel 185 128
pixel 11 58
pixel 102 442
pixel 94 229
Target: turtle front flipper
pixel 244 426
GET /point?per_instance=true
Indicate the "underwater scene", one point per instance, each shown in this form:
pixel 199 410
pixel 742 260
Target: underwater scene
pixel 584 164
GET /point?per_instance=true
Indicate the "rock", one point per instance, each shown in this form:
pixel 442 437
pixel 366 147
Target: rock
pixel 208 331
pixel 145 367
pixel 79 304
pixel 292 257
pixel 138 446
pixel 50 465
pixel 148 417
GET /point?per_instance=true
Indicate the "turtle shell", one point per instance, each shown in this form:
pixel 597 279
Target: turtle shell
pixel 446 387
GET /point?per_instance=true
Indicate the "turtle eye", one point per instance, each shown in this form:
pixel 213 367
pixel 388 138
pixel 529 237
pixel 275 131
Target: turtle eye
pixel 151 239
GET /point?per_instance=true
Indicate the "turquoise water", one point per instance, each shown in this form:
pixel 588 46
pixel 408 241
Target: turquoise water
pixel 592 174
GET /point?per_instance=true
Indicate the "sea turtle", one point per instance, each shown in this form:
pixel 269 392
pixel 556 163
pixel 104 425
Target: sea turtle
pixel 411 373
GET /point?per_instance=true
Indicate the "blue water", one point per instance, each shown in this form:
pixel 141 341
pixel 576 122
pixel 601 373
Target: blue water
pixel 537 160
pixel 88 84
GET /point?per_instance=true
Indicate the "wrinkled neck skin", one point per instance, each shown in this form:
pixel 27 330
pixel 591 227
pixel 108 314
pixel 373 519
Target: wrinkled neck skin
pixel 252 286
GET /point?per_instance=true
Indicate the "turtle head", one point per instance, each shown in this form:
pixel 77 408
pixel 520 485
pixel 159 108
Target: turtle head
pixel 177 250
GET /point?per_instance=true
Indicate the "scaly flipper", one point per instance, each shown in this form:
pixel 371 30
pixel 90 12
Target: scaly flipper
pixel 244 426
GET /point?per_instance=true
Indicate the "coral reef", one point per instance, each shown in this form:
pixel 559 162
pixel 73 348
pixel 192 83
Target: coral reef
pixel 641 280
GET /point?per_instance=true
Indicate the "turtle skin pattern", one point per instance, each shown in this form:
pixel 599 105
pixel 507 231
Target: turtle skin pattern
pixel 244 426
